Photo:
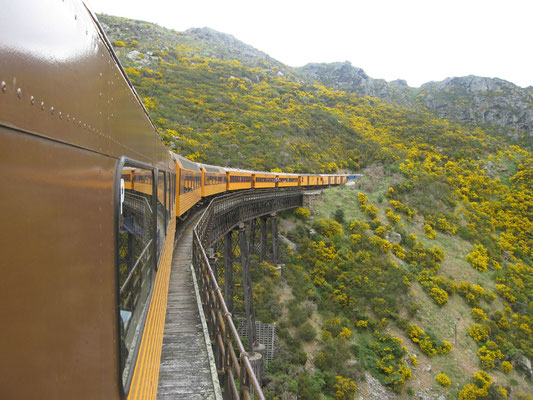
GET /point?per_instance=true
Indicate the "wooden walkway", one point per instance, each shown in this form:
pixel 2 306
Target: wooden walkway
pixel 187 370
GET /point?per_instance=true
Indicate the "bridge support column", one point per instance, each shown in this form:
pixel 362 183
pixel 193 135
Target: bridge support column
pixel 228 271
pixel 247 286
pixel 252 236
pixel 263 239
pixel 275 239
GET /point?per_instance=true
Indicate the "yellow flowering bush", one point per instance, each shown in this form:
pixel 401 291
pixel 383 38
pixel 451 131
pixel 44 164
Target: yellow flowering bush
pixel 430 232
pixel 507 367
pixel 478 315
pixel 393 218
pixel 345 388
pixel 302 213
pixel 381 231
pixel 478 258
pixel 414 360
pixel 488 357
pixel 443 380
pixel 479 333
pixel 345 333
pixel 362 324
pixel 440 296
pixel 398 251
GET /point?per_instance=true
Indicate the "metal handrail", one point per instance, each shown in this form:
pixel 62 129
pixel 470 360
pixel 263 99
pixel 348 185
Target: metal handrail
pixel 220 217
pixel 135 266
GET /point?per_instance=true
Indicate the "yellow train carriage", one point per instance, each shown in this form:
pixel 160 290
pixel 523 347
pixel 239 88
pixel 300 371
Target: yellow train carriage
pixel 189 179
pixel 238 179
pixel 143 181
pixel 323 180
pixel 127 178
pixel 286 180
pixel 214 180
pixel 264 180
pixel 312 180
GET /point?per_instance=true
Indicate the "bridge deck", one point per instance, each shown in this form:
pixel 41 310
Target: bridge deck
pixel 185 371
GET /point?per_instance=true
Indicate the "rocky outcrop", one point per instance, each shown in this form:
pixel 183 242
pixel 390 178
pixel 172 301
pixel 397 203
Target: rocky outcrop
pixel 375 390
pixel 474 99
pixel 344 76
pixel 214 44
pixel 470 99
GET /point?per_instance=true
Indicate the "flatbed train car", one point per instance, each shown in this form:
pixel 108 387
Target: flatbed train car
pixel 92 201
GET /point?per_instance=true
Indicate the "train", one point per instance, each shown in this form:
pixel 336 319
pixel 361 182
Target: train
pixel 198 182
pixel 90 202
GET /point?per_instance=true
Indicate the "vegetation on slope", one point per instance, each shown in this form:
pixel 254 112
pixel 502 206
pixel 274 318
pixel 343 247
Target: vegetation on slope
pixel 444 306
pixel 449 305
pixel 227 113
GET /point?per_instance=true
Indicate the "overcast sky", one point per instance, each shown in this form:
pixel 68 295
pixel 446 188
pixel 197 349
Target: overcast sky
pixel 415 40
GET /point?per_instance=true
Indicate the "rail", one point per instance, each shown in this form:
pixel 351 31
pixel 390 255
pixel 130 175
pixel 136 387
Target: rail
pixel 220 217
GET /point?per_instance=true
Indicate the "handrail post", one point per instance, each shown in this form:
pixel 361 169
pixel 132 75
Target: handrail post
pixel 228 271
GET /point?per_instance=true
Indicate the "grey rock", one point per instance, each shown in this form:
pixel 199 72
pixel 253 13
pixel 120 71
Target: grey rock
pixel 394 238
pixel 469 99
pixel 524 363
pixel 482 100
pixel 376 391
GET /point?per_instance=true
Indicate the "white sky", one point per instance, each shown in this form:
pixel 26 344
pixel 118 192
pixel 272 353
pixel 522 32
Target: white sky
pixel 415 40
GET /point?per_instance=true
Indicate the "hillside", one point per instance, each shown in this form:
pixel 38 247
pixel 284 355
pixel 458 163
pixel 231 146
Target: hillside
pixel 491 102
pixel 494 104
pixel 418 281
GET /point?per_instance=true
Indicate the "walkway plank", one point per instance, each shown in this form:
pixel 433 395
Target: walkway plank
pixel 185 371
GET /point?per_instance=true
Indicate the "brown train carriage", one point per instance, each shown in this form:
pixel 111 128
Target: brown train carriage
pixel 238 179
pixel 189 181
pixel 264 180
pixel 214 180
pixel 71 128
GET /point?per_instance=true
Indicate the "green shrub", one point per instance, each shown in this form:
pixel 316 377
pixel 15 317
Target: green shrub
pixel 306 332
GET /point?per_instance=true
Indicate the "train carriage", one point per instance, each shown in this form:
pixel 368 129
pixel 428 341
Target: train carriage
pixel 127 178
pixel 312 180
pixel 264 180
pixel 89 220
pixel 214 180
pixel 238 179
pixel 189 181
pixel 287 180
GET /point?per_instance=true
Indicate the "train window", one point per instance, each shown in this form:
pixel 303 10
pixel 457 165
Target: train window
pixel 135 262
pixel 161 213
